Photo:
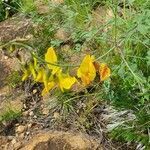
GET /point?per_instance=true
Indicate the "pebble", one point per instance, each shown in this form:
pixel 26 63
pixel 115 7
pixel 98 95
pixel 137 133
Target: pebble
pixel 17 145
pixel 21 135
pixel 25 113
pixel 45 111
pixel 27 133
pixel 34 91
pixel 5 57
pixel 10 137
pixel 56 115
pixel 13 141
pixel 30 125
pixel 31 113
pixel 24 106
pixel 35 117
pixel 20 129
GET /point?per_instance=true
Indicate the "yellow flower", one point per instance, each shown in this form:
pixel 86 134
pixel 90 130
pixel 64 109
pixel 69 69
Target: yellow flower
pixel 51 58
pixel 39 77
pixel 48 82
pixel 87 71
pixel 65 81
pixel 104 71
pixel 26 74
pixel 48 87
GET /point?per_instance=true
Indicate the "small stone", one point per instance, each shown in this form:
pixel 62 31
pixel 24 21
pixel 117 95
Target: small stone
pixel 25 113
pixel 56 115
pixel 34 91
pixel 10 137
pixel 45 111
pixel 20 129
pixel 62 35
pixel 6 146
pixel 5 57
pixel 30 125
pixel 42 106
pixel 17 124
pixel 17 145
pixel 31 113
pixel 27 133
pixel 35 117
pixel 13 141
pixel 24 106
pixel 21 135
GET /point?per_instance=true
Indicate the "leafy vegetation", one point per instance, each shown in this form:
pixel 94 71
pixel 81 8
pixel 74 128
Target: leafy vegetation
pixel 120 37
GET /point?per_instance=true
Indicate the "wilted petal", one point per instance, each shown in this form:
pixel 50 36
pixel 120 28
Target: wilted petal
pixel 104 71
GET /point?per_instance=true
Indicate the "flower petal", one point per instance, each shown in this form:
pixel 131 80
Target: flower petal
pixel 65 81
pixel 87 71
pixel 48 87
pixel 104 72
pixel 51 57
pixel 40 75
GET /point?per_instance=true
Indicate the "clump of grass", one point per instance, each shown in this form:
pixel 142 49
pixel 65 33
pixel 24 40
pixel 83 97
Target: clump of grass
pixel 14 79
pixel 10 115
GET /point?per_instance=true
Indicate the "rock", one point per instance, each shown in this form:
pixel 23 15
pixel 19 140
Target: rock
pixel 21 136
pixel 61 140
pixel 20 129
pixel 34 117
pixel 30 125
pixel 6 57
pixel 34 91
pixel 3 140
pixel 15 27
pixel 45 111
pixel 42 7
pixel 13 141
pixel 27 133
pixel 56 115
pixel 62 35
pixel 31 113
pixel 101 16
pixel 17 145
pixel 25 113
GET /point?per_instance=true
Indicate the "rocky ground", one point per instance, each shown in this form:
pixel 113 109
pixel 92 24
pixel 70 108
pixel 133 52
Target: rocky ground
pixel 35 127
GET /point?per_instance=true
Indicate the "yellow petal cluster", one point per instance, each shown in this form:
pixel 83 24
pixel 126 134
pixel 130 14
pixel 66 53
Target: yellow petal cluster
pixel 87 71
pixel 52 75
pixel 65 81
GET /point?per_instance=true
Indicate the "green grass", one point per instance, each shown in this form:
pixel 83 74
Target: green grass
pixel 14 79
pixel 10 115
